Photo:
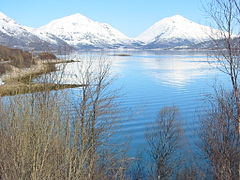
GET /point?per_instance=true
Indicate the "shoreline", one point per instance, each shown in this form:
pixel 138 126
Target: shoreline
pixel 20 80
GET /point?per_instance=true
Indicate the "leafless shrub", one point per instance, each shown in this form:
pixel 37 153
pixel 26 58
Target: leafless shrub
pixel 225 114
pixel 220 136
pixel 138 168
pixel 164 139
pixel 97 115
pixel 190 173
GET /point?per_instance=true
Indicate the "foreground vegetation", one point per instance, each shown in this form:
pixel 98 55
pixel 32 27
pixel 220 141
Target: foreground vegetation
pixel 42 139
pixel 46 135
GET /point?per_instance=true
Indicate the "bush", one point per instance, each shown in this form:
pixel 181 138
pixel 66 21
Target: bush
pixel 46 55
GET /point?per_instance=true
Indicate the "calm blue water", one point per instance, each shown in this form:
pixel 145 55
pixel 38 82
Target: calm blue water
pixel 151 80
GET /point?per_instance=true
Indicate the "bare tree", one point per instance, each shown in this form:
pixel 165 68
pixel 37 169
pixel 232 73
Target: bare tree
pixel 96 116
pixel 163 138
pixel 225 15
pixel 219 139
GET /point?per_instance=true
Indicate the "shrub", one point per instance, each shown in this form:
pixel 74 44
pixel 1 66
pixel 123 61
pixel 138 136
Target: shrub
pixel 46 55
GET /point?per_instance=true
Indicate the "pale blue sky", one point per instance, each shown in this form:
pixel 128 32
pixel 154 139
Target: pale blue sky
pixel 131 17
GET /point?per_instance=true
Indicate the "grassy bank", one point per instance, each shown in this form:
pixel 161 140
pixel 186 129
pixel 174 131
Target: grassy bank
pixel 22 88
pixel 122 54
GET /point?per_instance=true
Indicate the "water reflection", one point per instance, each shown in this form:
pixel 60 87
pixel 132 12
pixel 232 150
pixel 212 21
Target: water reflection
pixel 177 72
pixel 169 68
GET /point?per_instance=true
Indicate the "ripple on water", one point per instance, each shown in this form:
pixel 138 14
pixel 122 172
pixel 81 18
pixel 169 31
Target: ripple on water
pixel 152 80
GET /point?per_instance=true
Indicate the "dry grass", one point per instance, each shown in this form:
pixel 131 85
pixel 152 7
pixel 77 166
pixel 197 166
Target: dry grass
pixel 26 75
pixel 121 54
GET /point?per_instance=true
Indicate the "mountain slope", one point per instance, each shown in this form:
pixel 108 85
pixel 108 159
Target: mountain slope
pixel 175 31
pixel 82 32
pixel 15 35
pixel 53 41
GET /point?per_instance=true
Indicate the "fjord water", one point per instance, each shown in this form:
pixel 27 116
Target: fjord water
pixel 150 80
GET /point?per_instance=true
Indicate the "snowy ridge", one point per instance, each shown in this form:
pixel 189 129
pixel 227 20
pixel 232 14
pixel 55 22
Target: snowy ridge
pixel 5 18
pixel 15 35
pixel 10 27
pixel 46 36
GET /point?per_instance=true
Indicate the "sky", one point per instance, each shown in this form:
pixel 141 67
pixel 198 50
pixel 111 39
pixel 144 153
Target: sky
pixel 131 17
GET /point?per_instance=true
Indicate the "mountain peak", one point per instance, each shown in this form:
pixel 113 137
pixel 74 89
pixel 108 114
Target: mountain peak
pixel 71 22
pixel 79 30
pixel 177 16
pixel 175 28
pixel 76 17
pixel 175 19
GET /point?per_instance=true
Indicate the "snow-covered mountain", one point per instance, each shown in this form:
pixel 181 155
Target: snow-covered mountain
pixel 79 32
pixel 175 31
pixel 82 32
pixel 15 35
